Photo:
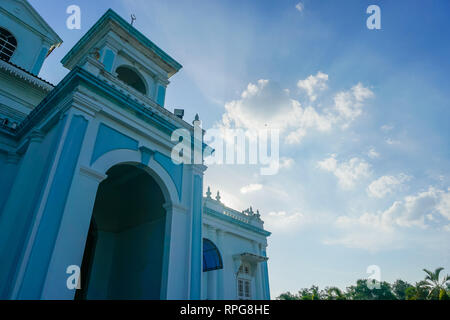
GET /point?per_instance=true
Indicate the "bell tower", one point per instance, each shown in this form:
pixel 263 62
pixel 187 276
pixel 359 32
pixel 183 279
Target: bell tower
pixel 115 51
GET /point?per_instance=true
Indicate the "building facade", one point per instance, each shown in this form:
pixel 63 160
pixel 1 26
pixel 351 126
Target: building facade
pixel 88 182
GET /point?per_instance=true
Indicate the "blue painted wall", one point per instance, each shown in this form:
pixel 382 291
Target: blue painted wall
pixel 48 229
pixel 40 61
pixel 109 139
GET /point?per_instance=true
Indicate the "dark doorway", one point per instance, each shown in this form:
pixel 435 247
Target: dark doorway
pixel 124 248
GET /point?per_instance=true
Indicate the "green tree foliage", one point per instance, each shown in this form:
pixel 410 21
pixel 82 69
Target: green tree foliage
pixel 443 295
pixel 399 289
pixel 288 296
pixel 432 287
pixel 379 291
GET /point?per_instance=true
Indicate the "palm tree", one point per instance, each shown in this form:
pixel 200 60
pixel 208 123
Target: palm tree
pixel 433 283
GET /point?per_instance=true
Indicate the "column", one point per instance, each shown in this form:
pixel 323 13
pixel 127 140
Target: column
pixel 18 211
pixel 258 278
pixel 265 273
pixel 196 233
pixel 71 240
pixel 175 275
pixel 39 249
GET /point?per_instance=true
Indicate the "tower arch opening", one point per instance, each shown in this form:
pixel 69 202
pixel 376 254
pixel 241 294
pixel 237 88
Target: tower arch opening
pixel 131 78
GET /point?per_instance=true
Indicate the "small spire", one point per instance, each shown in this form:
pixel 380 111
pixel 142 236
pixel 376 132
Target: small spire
pixel 196 120
pixel 218 196
pixel 133 18
pixel 208 193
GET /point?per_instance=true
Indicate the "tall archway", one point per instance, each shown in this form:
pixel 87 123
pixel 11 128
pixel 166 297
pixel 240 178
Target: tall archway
pixel 123 257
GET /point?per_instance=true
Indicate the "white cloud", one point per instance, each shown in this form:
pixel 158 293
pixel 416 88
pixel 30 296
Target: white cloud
pixel 386 185
pixel 348 173
pixel 367 232
pixel 387 128
pixel 375 231
pixel 286 163
pixel 310 119
pixel 312 84
pixel 265 105
pixel 413 209
pixel 262 105
pixel 299 6
pixel 281 221
pixel 348 104
pixel 444 204
pixel 251 188
pixel 373 154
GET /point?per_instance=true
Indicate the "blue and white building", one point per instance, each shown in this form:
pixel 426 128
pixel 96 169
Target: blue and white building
pixel 87 181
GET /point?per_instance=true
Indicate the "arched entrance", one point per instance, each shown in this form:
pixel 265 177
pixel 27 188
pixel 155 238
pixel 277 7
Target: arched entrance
pixel 123 257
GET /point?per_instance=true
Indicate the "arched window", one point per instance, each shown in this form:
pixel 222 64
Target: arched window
pixel 8 44
pixel 211 256
pixel 131 78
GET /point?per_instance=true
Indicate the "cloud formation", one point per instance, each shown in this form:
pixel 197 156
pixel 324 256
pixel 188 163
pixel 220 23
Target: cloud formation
pixel 313 84
pixel 348 172
pixel 282 221
pixel 386 185
pixel 251 188
pixel 376 231
pixel 265 105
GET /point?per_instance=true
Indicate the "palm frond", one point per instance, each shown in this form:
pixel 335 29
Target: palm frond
pixel 429 274
pixel 437 272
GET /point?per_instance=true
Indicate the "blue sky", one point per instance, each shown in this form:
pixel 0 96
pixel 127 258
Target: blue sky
pixel 365 138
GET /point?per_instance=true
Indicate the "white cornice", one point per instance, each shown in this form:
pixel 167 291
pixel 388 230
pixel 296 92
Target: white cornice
pixel 21 74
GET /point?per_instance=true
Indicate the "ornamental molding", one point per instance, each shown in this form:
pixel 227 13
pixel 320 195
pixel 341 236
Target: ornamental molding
pixel 24 75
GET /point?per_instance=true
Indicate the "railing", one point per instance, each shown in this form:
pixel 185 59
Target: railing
pixel 236 215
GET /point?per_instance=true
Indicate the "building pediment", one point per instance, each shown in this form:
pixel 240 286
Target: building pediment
pixel 25 14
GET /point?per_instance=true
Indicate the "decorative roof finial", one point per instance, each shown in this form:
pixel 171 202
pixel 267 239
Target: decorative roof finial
pixel 218 196
pixel 208 193
pixel 197 118
pixel 133 18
